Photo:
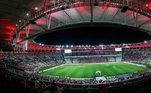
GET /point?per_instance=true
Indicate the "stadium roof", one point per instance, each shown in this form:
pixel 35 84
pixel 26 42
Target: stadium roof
pixel 12 12
pixel 92 34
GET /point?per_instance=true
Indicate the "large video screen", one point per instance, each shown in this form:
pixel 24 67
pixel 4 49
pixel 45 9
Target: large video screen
pixel 118 49
pixel 68 51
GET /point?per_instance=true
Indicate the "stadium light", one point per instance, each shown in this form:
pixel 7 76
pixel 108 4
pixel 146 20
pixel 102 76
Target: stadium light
pixel 112 45
pixel 16 25
pixel 101 45
pixel 58 48
pixel 27 14
pixel 123 44
pixel 36 8
pixel 19 21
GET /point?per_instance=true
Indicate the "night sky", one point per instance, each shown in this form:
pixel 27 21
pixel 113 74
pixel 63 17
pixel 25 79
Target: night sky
pixel 86 34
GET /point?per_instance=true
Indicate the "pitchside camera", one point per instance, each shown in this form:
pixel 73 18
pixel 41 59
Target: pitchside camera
pixel 124 9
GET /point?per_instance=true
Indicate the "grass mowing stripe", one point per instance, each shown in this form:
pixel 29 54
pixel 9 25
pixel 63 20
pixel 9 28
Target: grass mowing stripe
pixel 61 72
pixel 76 72
pixel 124 68
pixel 65 71
pixel 88 70
pixel 132 68
pixel 69 73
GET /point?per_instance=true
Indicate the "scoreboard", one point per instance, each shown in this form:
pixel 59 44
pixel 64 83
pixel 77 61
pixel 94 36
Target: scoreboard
pixel 66 51
pixel 118 49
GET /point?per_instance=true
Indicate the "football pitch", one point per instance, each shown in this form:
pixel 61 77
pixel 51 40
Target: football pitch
pixel 89 70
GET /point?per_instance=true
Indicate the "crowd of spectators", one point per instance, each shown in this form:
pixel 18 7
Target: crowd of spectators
pixel 32 61
pixel 93 55
pixel 24 65
pixel 136 54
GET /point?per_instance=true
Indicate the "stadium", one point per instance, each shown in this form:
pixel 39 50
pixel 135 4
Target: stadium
pixel 75 46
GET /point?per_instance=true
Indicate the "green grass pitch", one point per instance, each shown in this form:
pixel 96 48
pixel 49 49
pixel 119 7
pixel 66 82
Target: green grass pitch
pixel 88 70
